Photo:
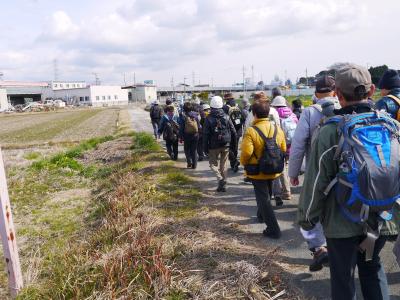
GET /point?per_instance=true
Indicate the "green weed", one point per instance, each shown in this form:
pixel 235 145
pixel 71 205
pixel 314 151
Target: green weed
pixel 32 155
pixel 144 142
pixel 177 178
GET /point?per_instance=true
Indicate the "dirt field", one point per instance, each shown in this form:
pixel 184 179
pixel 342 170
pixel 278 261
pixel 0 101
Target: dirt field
pixel 19 130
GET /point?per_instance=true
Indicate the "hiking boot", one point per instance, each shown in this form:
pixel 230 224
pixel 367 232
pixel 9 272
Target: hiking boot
pixel 320 258
pixel 221 186
pixel 235 168
pixel 278 201
pixel 194 167
pixel 271 234
pixel 286 197
pixel 189 166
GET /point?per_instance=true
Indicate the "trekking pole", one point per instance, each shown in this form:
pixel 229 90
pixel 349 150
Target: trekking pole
pixel 8 236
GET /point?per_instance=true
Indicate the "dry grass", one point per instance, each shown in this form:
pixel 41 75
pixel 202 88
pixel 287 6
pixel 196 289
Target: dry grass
pixel 142 232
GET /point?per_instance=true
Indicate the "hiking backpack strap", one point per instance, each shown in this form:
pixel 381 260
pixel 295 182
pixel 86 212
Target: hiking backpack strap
pixel 258 130
pixel 263 135
pixel 397 100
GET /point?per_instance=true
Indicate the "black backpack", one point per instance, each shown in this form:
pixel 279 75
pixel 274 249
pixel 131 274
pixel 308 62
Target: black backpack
pixel 221 133
pixel 272 160
pixel 155 112
pixel 170 132
pixel 236 116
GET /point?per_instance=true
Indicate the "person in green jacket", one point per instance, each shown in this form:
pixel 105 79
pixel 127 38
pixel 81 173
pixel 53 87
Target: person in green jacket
pixel 353 87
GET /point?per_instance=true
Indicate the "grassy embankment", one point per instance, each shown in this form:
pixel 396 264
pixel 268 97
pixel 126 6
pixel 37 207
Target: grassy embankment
pixel 140 234
pixel 100 245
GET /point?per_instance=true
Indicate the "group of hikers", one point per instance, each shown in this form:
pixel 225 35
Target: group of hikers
pixel 346 145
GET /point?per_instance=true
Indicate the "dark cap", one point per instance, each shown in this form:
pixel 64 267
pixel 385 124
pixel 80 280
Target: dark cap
pixel 390 80
pixel 228 96
pixel 352 79
pixel 325 84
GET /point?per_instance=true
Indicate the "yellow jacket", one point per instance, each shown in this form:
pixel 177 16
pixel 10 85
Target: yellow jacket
pixel 253 143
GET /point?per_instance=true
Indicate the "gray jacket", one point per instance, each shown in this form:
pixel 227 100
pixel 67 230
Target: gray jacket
pixel 301 143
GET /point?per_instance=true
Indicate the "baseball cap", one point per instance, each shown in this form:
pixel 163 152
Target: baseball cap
pixel 325 84
pixel 353 79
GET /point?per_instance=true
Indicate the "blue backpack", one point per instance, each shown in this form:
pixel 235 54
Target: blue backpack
pixel 369 175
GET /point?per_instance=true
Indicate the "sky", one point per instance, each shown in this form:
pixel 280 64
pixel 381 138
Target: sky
pixel 206 40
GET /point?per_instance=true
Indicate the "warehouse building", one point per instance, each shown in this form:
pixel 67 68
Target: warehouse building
pixel 60 85
pixel 95 95
pixel 145 93
pixel 20 92
pixel 3 100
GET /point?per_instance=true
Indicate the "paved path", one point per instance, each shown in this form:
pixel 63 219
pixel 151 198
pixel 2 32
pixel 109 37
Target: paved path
pixel 239 201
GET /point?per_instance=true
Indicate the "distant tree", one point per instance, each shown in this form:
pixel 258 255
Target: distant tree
pixel 330 72
pixel 203 96
pixel 307 80
pixel 377 73
pixel 194 96
pixel 302 80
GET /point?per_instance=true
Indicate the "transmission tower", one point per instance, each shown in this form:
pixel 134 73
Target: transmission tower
pixel 56 70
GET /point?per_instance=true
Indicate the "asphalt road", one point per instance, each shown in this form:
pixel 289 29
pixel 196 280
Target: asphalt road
pixel 294 256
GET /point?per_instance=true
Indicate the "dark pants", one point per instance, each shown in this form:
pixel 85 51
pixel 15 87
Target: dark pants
pixel 344 256
pixel 233 153
pixel 190 147
pixel 200 148
pixel 156 125
pixel 262 189
pixel 172 149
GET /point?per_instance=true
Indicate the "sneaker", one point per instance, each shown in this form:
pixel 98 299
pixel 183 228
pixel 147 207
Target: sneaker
pixel 278 201
pixel 286 197
pixel 189 166
pixel 271 234
pixel 247 180
pixel 194 167
pixel 320 258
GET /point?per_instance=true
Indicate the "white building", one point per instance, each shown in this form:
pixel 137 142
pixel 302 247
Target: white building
pixel 3 100
pixel 96 95
pixel 142 93
pixel 60 85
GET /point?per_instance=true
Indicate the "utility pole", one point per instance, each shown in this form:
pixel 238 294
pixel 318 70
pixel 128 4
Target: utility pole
pixel 124 79
pixel 56 71
pixel 212 82
pixel 252 74
pixel 173 87
pixel 243 75
pixel 97 79
pixel 306 77
pixel 134 85
pixel 184 89
pixel 193 79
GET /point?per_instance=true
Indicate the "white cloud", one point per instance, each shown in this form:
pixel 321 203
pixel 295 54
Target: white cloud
pixel 60 27
pixel 161 35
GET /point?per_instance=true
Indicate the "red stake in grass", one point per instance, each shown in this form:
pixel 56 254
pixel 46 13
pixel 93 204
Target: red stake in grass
pixel 8 237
